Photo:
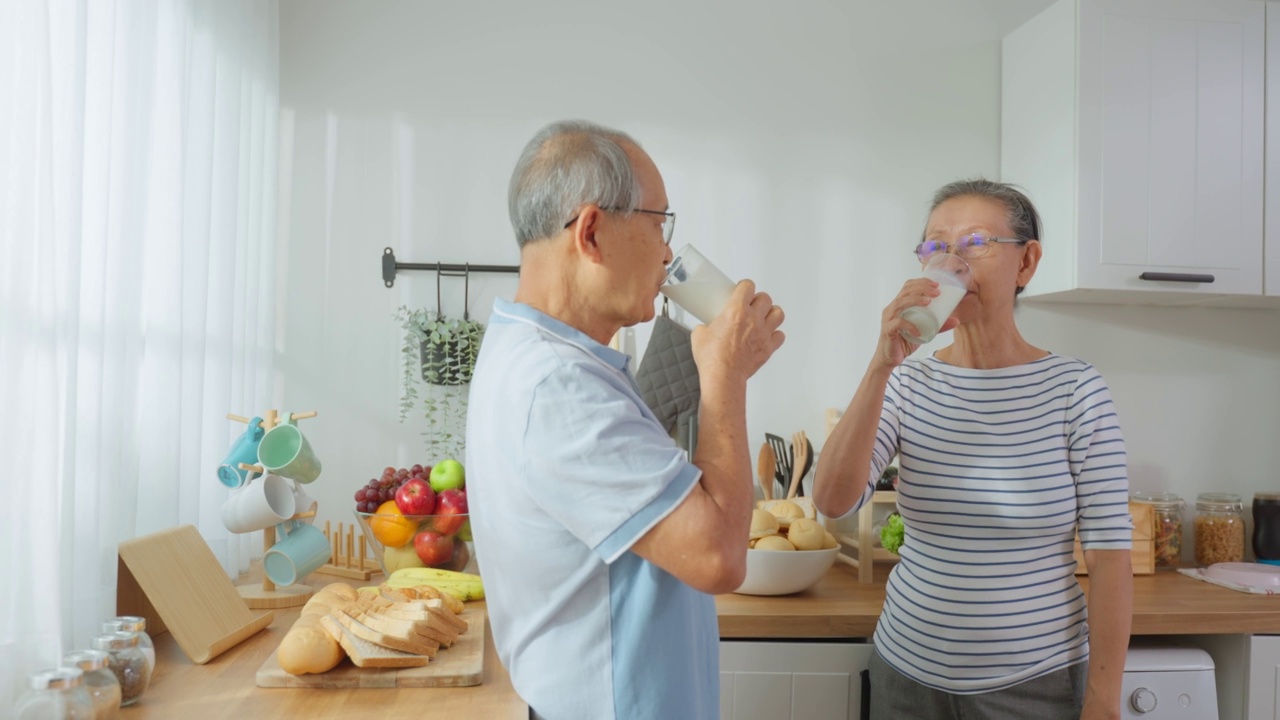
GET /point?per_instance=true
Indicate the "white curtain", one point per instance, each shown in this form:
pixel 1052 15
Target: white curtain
pixel 137 259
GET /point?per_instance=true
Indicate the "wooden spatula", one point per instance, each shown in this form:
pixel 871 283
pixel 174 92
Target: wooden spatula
pixel 765 465
pixel 800 466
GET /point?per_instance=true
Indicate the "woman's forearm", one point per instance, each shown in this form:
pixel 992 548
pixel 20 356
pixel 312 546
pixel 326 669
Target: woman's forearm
pixel 844 465
pixel 1110 618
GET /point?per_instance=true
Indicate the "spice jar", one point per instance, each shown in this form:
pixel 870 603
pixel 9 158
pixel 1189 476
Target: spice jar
pixel 1167 509
pixel 56 695
pixel 128 663
pixel 1219 528
pixel 1266 527
pixel 101 683
pixel 137 624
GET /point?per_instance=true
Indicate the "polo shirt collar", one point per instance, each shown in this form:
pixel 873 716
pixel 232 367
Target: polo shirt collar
pixel 505 311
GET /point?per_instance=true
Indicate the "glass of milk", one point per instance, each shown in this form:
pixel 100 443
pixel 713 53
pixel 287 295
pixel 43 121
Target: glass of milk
pixel 696 285
pixel 953 276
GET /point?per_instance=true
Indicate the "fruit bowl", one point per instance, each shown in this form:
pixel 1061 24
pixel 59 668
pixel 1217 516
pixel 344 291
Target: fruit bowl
pixel 399 541
pixel 783 572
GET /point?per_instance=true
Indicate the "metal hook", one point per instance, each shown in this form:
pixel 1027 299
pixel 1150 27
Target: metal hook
pixel 466 291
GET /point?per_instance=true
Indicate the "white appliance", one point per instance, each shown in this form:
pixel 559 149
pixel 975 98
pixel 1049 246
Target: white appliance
pixel 1168 683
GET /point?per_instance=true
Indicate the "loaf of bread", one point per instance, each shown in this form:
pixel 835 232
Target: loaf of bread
pixel 307 647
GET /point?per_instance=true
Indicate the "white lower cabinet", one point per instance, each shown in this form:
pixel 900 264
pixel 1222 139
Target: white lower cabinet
pixel 1247 670
pixel 791 680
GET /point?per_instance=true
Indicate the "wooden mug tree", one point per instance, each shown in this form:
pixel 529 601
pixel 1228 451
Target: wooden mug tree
pixel 267 595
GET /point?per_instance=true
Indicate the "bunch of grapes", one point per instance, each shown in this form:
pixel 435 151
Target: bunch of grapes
pixel 380 490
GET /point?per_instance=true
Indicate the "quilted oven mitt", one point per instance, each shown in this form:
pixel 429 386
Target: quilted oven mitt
pixel 668 378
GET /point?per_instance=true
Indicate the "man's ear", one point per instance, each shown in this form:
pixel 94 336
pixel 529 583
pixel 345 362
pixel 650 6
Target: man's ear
pixel 585 231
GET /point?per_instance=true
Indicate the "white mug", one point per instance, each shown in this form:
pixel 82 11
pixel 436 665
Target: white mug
pixel 304 503
pixel 258 504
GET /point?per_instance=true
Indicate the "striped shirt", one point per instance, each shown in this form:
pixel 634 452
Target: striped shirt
pixel 998 471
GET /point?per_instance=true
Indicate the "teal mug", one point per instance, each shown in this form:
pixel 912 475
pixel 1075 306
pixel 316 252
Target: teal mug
pixel 284 450
pixel 297 554
pixel 244 450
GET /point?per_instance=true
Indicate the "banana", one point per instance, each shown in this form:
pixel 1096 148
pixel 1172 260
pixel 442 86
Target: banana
pixel 463 586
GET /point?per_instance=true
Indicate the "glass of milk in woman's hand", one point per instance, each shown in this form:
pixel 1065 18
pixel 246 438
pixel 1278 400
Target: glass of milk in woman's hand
pixel 953 277
pixel 696 285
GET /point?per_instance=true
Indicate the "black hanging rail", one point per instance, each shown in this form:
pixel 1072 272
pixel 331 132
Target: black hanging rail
pixel 390 267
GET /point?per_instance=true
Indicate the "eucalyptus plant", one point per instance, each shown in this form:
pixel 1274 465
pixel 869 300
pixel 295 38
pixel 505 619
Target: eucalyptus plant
pixel 439 352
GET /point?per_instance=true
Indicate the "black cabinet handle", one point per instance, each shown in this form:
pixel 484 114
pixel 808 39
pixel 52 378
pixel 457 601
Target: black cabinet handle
pixel 1176 277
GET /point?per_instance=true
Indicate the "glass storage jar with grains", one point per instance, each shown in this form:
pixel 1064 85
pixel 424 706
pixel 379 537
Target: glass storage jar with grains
pixel 101 683
pixel 136 624
pixel 128 662
pixel 1219 528
pixel 1167 508
pixel 56 695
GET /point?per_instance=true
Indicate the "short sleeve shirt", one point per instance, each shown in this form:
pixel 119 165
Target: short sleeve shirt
pixel 566 469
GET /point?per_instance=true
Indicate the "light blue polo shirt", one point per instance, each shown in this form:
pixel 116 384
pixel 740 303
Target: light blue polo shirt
pixel 566 469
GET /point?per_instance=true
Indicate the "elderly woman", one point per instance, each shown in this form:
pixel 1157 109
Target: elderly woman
pixel 1007 451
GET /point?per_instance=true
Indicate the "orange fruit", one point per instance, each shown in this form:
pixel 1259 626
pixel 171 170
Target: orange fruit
pixel 390 527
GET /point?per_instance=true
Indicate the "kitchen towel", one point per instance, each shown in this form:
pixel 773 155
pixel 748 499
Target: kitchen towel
pixel 668 380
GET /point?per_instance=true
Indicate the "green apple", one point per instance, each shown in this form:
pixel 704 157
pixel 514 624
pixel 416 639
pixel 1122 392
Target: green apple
pixel 402 557
pixel 447 475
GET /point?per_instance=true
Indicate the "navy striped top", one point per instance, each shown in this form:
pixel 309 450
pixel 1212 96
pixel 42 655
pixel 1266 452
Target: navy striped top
pixel 998 470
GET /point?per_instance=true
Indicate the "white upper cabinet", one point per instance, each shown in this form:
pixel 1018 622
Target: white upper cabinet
pixel 1271 251
pixel 1136 126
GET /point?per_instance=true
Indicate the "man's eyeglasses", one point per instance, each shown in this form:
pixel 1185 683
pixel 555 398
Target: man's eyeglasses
pixel 668 222
pixel 967 247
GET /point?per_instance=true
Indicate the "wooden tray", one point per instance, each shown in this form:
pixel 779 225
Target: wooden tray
pixel 459 666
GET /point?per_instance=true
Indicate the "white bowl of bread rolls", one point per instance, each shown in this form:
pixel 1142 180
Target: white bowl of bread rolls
pixel 788 549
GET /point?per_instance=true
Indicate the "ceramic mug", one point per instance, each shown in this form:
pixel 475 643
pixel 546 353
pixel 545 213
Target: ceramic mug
pixel 304 503
pixel 297 554
pixel 284 450
pixel 258 504
pixel 243 450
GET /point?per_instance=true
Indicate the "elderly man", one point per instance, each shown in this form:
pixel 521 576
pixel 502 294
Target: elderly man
pixel 599 541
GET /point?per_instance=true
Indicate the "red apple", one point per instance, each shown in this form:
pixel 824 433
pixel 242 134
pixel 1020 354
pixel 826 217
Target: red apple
pixel 451 511
pixel 433 548
pixel 415 497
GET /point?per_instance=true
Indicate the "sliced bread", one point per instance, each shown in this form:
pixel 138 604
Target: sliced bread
pixel 367 654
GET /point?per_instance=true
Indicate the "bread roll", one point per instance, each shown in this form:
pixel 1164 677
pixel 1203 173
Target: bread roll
pixel 307 647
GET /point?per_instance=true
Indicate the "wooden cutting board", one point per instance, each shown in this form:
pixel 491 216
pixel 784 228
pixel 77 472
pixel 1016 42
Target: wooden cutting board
pixel 459 666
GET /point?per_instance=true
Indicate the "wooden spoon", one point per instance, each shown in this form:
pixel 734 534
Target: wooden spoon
pixel 765 465
pixel 801 445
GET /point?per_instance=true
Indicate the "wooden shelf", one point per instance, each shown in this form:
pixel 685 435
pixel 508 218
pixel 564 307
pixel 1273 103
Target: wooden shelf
pixel 865 538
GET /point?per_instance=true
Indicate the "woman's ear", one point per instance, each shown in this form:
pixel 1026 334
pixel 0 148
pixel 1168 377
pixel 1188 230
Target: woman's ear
pixel 1030 261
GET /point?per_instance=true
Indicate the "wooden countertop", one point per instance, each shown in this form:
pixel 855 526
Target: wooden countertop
pixel 1166 603
pixel 226 687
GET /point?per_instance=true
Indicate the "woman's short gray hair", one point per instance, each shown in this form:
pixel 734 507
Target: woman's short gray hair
pixel 569 164
pixel 1023 219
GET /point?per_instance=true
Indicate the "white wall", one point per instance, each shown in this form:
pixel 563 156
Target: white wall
pixel 800 144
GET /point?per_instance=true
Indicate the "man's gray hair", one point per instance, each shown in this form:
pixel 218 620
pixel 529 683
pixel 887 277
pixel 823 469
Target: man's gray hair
pixel 569 164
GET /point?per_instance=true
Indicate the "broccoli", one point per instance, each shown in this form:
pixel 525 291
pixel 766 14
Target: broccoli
pixel 891 535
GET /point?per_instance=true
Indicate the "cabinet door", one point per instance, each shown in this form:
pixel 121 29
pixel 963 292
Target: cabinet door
pixel 1171 143
pixel 785 680
pixel 1271 280
pixel 1264 678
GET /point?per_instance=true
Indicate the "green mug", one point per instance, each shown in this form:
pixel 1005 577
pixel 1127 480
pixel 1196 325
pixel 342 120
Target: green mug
pixel 284 450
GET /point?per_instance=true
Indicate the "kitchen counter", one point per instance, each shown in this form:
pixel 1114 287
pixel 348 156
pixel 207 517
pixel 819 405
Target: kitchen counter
pixel 226 687
pixel 1166 603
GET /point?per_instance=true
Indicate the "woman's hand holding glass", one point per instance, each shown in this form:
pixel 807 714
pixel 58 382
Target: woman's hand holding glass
pixel 893 348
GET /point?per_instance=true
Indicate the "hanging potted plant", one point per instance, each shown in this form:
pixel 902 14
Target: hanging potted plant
pixel 441 352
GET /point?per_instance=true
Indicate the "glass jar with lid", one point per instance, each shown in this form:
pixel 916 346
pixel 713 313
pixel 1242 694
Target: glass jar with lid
pixel 1167 508
pixel 101 683
pixel 127 661
pixel 1266 527
pixel 56 695
pixel 1219 528
pixel 136 624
